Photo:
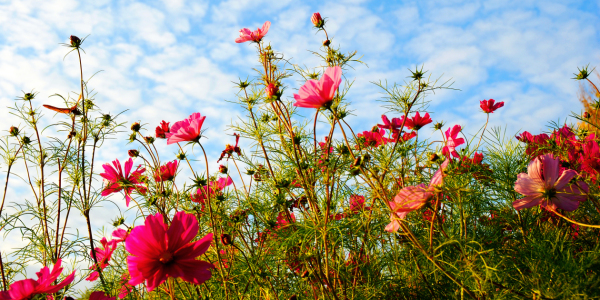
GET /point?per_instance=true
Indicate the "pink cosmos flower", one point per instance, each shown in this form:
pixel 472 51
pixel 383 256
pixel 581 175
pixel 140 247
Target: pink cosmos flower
pixel 253 36
pixel 100 296
pixel 27 288
pixel 120 235
pixel 373 139
pixel 215 188
pixel 452 141
pixel 394 126
pixel 417 122
pixel 488 106
pixel 188 130
pixel 357 203
pixel 115 180
pixel 159 251
pixel 103 255
pixel 166 172
pixel 126 288
pixel 413 197
pixel 544 184
pixel 318 94
pixel 162 130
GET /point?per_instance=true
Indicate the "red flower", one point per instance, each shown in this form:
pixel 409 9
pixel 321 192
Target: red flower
pixel 417 122
pixel 357 203
pixel 253 36
pixel 488 106
pixel 187 130
pixel 116 180
pixel 27 288
pixel 318 94
pixel 452 141
pixel 100 296
pixel 317 20
pixel 394 125
pixel 162 130
pixel 283 222
pixel 405 136
pixel 229 150
pixel 159 251
pixel 373 139
pixel 271 90
pixel 103 256
pixel 166 172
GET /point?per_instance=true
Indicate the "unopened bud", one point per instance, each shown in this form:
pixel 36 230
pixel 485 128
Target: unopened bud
pixel 14 131
pixel 28 96
pixel 149 139
pixel 326 43
pixel 135 127
pixel 375 129
pixel 222 169
pixel 226 239
pixel 26 140
pixel 317 20
pixel 75 41
pixel 271 90
pixel 586 115
pixel 433 157
pixel 180 156
pixel 438 125
pixel 133 153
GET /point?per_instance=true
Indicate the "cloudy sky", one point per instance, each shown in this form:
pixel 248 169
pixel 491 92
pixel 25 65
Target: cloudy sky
pixel 162 60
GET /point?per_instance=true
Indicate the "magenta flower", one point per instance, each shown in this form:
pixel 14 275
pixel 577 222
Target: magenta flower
pixel 373 138
pixel 452 141
pixel 214 188
pixel 253 36
pixel 544 184
pixel 159 251
pixel 27 288
pixel 488 106
pixel 318 94
pixel 115 180
pixel 103 255
pixel 100 296
pixel 357 203
pixel 120 235
pixel 187 130
pixel 417 122
pixel 166 172
pixel 413 197
pixel 126 288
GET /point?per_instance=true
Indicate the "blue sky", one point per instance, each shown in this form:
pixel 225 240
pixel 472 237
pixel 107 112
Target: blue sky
pixel 167 59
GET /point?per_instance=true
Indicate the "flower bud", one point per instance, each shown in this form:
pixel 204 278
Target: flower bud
pixel 180 156
pixel 135 127
pixel 72 134
pixel 226 239
pixel 132 137
pixel 317 20
pixel 586 115
pixel 326 43
pixel 28 96
pixel 375 129
pixel 433 157
pixel 222 169
pixel 149 139
pixel 438 125
pixel 74 41
pixel 133 153
pixel 271 90
pixel 14 131
pixel 26 140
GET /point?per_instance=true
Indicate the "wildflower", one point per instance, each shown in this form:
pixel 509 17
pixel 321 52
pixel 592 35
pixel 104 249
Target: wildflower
pixel 98 295
pixel 74 41
pixel 544 184
pixel 103 255
pixel 187 130
pixel 488 106
pixel 394 125
pixel 417 122
pixel 317 20
pixel 283 222
pixel 159 251
pixel 405 136
pixel 319 94
pixel 27 288
pixel 162 130
pixel 120 235
pixel 166 172
pixel 452 141
pixel 215 188
pixel 229 150
pixel 357 203
pixel 590 159
pixel 253 36
pixel 412 198
pixel 126 288
pixel 373 139
pixel 116 180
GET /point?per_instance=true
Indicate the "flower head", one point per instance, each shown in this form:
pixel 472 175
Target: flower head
pixel 271 90
pixel 159 251
pixel 115 180
pixel 103 255
pixel 357 203
pixel 412 198
pixel 253 36
pixel 544 184
pixel 188 130
pixel 229 150
pixel 212 189
pixel 120 235
pixel 452 141
pixel 317 20
pixel 319 94
pixel 488 106
pixel 373 139
pixel 27 288
pixel 162 130
pixel 166 172
pixel 417 122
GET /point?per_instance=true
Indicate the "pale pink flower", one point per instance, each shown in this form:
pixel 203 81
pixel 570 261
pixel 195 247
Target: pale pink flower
pixel 27 288
pixel 452 141
pixel 159 251
pixel 413 197
pixel 318 94
pixel 188 130
pixel 116 180
pixel 545 185
pixel 253 36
